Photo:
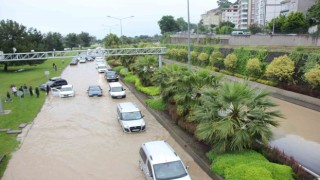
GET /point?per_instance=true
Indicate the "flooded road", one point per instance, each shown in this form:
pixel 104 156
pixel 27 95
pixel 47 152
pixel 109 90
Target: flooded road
pixel 80 137
pixel 299 134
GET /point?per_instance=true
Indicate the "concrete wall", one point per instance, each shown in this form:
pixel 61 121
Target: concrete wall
pixel 259 40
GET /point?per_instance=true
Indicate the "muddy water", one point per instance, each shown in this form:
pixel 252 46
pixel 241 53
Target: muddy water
pixel 299 134
pixel 80 137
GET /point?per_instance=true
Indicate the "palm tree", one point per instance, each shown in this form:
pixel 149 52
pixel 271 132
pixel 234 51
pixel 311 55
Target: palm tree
pixel 234 117
pixel 144 67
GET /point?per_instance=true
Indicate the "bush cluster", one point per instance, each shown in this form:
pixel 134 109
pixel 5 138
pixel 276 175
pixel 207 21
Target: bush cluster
pixel 281 69
pixel 157 104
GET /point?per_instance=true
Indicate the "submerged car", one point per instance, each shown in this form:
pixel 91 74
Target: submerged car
pixel 54 82
pixel 94 90
pixel 64 91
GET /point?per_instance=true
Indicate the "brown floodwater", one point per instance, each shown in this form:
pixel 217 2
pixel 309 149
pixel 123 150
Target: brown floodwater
pixel 80 137
pixel 299 134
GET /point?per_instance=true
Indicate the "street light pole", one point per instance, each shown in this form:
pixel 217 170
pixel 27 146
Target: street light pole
pixel 120 19
pixel 189 63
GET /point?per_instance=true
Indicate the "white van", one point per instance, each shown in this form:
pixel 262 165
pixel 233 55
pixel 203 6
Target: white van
pixel 159 161
pixel 101 68
pixel 130 118
pixel 116 90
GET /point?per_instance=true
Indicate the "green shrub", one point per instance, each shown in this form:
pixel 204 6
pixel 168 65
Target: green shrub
pixel 216 59
pixel 203 57
pixel 266 82
pixel 212 68
pixel 281 69
pixel 247 165
pixel 226 72
pixel 118 68
pixel 253 67
pixel 299 48
pixel 313 76
pixel 230 61
pixel 131 78
pixel 182 55
pixel 157 104
pixel 150 90
pixel 194 56
pixel 240 76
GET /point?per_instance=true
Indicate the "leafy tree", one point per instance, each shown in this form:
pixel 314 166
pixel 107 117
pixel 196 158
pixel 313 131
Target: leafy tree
pixel 85 39
pixel 202 28
pixel 72 40
pixel 168 24
pixel 295 23
pixel 223 4
pixel 278 23
pixel 225 30
pixel 14 35
pixel 183 25
pixel 144 67
pixel 112 41
pixel 313 76
pixel 254 29
pixel 313 14
pixel 281 69
pixel 53 40
pixel 234 116
pixel 227 23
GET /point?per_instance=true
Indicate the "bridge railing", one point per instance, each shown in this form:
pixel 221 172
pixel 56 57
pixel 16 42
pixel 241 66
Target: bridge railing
pixel 95 52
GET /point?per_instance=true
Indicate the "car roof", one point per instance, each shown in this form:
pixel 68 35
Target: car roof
pixel 91 86
pixel 115 84
pixel 128 107
pixel 160 152
pixel 66 86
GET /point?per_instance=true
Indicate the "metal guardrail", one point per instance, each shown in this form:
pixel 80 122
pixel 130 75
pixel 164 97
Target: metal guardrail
pixel 67 54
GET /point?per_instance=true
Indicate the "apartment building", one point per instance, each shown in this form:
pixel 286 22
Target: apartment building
pixel 211 17
pixel 231 14
pixel 266 10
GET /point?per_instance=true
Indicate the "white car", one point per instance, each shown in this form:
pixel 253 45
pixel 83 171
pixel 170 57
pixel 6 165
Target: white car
pixel 101 68
pixel 64 91
pixel 82 60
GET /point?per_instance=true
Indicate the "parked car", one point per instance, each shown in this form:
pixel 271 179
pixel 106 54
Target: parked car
pixel 101 68
pixel 158 160
pixel 111 76
pixel 94 90
pixel 82 60
pixel 54 82
pixel 64 91
pixel 130 117
pixel 116 90
pixel 74 61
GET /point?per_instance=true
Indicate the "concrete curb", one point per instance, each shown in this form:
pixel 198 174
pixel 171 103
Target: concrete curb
pixel 193 147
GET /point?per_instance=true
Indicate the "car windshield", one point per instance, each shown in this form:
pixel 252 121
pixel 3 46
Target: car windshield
pixel 94 88
pixel 116 89
pixel 110 73
pixel 66 89
pixel 127 116
pixel 170 170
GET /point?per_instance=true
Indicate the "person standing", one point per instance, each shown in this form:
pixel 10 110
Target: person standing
pixel 14 90
pixel 8 97
pixel 31 91
pixel 21 92
pixel 25 89
pixel 55 67
pixel 37 92
pixel 48 89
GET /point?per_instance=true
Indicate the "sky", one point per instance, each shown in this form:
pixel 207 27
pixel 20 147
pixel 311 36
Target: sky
pixel 76 16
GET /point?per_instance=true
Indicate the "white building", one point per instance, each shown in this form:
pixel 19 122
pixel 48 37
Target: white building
pixel 231 14
pixel 211 17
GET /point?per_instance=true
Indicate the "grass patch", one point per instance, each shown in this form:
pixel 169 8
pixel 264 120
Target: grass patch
pixel 157 104
pixel 23 110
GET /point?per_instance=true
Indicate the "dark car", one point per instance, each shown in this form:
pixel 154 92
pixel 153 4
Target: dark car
pixel 94 90
pixel 74 61
pixel 111 76
pixel 56 82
